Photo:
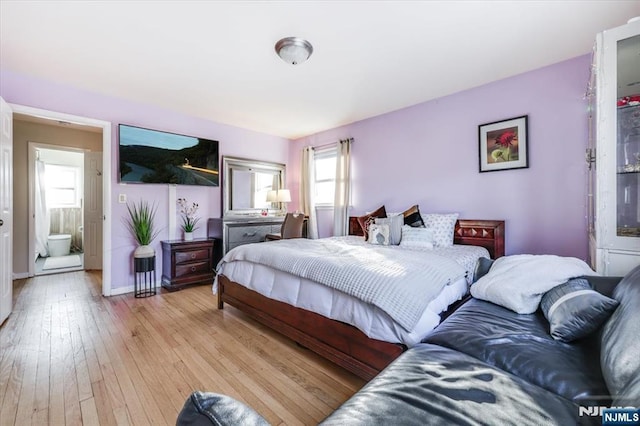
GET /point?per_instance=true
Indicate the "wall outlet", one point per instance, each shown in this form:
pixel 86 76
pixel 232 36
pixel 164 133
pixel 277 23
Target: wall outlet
pixel 122 198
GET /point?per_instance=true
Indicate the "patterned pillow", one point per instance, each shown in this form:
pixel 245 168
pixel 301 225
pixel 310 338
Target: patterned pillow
pixel 575 310
pixel 395 227
pixel 379 234
pixel 368 218
pixel 416 238
pixel 412 217
pixel 443 226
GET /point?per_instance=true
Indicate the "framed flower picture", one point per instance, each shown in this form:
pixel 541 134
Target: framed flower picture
pixel 504 145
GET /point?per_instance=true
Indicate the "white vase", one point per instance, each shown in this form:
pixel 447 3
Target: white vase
pixel 188 236
pixel 144 251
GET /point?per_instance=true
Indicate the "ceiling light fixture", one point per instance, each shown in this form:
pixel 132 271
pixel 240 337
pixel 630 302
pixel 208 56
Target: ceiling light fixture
pixel 294 50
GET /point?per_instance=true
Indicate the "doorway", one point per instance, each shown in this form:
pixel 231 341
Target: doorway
pixel 57 205
pixel 101 222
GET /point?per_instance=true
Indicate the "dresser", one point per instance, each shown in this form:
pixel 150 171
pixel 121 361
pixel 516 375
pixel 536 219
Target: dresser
pixel 236 231
pixel 187 262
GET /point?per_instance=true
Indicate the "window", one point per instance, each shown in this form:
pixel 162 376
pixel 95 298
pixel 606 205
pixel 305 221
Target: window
pixel 263 183
pixel 62 183
pixel 325 179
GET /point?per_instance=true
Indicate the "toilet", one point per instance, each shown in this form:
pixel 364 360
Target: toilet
pixel 59 245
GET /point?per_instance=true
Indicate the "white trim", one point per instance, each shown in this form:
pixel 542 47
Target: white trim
pixel 31 175
pixel 172 233
pixel 20 275
pixel 129 289
pixel 106 177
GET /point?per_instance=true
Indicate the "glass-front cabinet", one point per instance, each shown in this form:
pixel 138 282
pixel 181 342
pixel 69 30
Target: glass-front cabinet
pixel 615 119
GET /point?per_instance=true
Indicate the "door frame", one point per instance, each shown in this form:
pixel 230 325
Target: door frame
pixel 106 173
pixel 31 171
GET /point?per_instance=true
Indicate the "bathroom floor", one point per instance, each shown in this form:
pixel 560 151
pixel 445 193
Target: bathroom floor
pixel 57 264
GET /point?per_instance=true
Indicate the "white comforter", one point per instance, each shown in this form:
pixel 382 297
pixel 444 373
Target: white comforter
pixel 400 282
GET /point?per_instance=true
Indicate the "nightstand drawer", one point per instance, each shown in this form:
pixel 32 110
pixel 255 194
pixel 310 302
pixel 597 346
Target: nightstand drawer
pixel 192 268
pixel 191 255
pixel 248 234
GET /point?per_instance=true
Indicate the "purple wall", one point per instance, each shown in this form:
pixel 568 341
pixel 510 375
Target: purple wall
pixel 428 154
pixel 425 154
pixel 25 90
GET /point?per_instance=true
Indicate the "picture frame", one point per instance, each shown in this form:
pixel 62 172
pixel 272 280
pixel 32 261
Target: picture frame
pixel 504 144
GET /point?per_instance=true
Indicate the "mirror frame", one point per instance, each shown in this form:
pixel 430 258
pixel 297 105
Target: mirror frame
pixel 234 163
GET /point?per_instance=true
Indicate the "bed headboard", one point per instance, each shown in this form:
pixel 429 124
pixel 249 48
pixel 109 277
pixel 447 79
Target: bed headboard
pixel 485 233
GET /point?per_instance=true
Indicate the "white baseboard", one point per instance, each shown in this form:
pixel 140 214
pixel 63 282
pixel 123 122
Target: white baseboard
pixel 128 289
pixel 20 275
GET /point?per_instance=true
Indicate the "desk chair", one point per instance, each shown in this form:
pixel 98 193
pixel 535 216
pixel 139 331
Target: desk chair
pixel 291 227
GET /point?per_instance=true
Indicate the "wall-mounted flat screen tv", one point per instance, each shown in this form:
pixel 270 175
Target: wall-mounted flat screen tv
pixel 151 156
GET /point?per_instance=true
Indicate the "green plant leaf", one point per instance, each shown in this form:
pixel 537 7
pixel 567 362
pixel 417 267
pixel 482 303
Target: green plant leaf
pixel 140 222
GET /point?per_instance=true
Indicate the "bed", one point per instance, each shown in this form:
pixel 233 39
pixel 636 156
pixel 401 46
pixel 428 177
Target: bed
pixel 364 353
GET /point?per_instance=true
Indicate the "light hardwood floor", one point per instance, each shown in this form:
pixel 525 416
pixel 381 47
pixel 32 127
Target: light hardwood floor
pixel 70 356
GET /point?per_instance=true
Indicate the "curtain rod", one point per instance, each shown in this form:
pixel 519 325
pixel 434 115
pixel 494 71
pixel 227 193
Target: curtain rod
pixel 330 144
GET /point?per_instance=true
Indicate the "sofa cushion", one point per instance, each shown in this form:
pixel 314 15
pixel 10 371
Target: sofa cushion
pixel 620 342
pixel 522 345
pixel 431 385
pixel 629 396
pixel 207 408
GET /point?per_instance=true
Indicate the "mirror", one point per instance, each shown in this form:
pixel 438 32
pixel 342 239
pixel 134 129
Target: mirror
pixel 246 184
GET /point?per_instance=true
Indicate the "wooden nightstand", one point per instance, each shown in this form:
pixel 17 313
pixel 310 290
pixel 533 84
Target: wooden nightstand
pixel 187 262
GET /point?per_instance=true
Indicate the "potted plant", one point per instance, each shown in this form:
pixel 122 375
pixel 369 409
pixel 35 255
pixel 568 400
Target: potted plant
pixel 189 219
pixel 140 223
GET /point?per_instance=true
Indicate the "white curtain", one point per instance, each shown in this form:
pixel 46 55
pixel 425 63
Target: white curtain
pixel 43 220
pixel 343 189
pixel 308 190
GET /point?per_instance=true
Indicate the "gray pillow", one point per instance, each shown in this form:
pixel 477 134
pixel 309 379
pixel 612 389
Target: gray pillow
pixel 482 268
pixel 574 310
pixel 395 227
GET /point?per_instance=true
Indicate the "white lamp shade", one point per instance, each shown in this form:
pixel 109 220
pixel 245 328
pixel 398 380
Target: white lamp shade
pixel 284 196
pixel 272 196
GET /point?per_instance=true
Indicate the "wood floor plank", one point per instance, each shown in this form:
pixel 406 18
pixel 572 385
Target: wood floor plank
pixel 70 356
pixel 89 412
pixel 103 404
pixel 44 363
pixel 9 406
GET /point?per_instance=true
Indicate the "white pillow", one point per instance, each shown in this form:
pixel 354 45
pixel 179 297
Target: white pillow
pixel 395 227
pixel 379 234
pixel 416 238
pixel 443 226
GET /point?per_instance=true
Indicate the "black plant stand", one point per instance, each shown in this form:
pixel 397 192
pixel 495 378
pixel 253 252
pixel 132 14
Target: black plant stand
pixel 145 276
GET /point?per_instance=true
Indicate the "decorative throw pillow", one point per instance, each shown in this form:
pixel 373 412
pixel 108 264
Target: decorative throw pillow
pixel 395 227
pixel 574 310
pixel 416 238
pixel 368 218
pixel 412 217
pixel 379 234
pixel 443 227
pixel 482 268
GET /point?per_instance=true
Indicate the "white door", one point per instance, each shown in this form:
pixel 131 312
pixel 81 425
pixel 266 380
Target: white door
pixel 93 210
pixel 6 211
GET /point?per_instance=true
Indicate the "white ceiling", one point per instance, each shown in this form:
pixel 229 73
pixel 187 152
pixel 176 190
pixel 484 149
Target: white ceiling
pixel 216 60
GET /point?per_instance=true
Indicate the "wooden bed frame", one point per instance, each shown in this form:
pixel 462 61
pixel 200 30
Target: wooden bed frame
pixel 336 341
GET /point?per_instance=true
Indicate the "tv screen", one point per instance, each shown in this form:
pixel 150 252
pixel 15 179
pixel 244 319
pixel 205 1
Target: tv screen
pixel 151 156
